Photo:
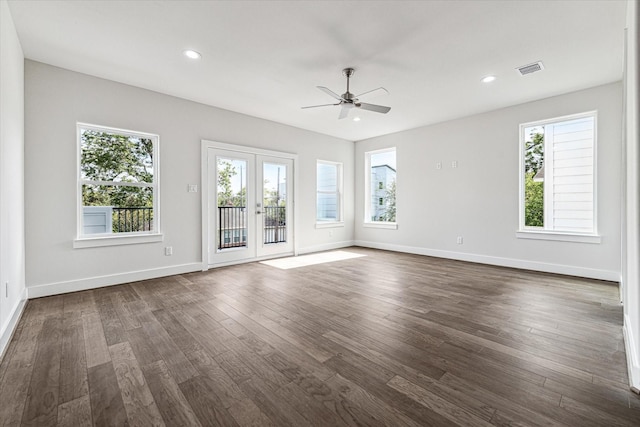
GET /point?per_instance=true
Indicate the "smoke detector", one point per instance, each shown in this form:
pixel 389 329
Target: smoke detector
pixel 530 68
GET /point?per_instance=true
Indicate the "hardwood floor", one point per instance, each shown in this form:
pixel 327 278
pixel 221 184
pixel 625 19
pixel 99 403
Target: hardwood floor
pixel 386 339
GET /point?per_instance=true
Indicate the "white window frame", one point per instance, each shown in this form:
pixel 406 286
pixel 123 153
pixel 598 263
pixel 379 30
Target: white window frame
pixel 367 191
pixel 539 233
pixel 98 240
pixel 338 222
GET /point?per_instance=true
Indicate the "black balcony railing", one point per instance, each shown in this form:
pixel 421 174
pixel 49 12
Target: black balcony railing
pixel 275 224
pixel 232 228
pixel 127 220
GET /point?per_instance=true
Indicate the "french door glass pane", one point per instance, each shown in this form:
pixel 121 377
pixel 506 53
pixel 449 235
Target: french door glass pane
pixel 274 199
pixel 232 202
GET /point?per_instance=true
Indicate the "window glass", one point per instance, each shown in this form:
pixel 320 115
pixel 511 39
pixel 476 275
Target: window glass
pixel 558 174
pixel 381 205
pixel 329 191
pixel 117 181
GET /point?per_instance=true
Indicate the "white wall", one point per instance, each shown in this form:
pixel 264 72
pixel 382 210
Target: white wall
pixel 478 200
pixel 55 99
pixel 631 206
pixel 12 265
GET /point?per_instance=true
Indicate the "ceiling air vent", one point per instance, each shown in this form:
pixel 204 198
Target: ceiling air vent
pixel 530 68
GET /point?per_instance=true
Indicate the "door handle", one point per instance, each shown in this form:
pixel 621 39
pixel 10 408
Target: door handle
pixel 258 212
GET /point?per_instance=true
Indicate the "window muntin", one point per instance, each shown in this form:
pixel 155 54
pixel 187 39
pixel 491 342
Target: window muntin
pixel 117 182
pixel 380 202
pixel 558 175
pixel 328 192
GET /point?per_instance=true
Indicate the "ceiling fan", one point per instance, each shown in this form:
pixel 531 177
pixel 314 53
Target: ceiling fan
pixel 349 101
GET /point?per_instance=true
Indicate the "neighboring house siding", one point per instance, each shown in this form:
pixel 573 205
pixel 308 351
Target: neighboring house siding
pixel 572 178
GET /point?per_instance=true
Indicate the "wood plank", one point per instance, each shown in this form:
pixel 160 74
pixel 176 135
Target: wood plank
pixel 145 291
pixel 475 406
pixel 127 316
pixel 95 343
pixel 178 333
pixel 79 303
pixel 246 413
pixel 312 409
pixel 41 407
pixel 137 398
pixel 357 406
pixel 174 407
pixel 180 368
pixel 592 413
pixel 205 403
pixel 107 407
pixel 142 347
pixel 278 410
pixel 379 389
pixel 75 413
pixel 41 308
pixel 224 387
pixel 73 363
pixel 273 339
pixel 15 383
pixel 112 326
pixel 436 403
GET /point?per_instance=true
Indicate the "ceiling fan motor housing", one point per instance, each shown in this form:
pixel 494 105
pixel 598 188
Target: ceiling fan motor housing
pixel 348 96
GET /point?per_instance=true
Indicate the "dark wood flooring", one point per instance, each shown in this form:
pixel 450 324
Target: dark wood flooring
pixel 387 339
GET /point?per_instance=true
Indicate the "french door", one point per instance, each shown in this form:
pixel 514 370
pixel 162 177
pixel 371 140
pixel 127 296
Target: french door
pixel 250 198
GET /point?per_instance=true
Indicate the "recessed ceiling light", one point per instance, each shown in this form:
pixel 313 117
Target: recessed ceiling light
pixel 192 54
pixel 488 79
pixel 356 119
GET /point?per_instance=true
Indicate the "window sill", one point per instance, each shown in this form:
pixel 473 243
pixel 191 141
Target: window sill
pixel 329 224
pixel 131 239
pixel 384 225
pixel 558 236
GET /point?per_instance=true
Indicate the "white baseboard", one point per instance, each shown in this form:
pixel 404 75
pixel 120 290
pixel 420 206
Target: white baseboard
pixel 325 247
pixel 112 279
pixel 591 273
pixel 633 358
pixel 10 328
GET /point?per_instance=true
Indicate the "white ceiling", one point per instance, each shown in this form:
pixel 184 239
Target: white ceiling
pixel 265 58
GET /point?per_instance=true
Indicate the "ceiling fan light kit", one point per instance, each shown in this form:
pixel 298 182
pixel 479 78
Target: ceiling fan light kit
pixel 349 101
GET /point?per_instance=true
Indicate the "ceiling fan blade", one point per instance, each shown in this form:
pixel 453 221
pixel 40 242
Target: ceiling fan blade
pixel 374 92
pixel 372 107
pixel 323 105
pixel 330 92
pixel 344 112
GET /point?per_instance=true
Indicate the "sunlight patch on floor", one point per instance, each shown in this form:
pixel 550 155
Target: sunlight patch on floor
pixel 313 259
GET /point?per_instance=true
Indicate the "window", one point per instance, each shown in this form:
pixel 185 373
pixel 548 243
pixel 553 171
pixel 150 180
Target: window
pixel 557 176
pixel 328 192
pixel 117 186
pixel 380 202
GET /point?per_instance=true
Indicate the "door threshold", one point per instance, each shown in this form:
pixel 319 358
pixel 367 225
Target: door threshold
pixel 247 261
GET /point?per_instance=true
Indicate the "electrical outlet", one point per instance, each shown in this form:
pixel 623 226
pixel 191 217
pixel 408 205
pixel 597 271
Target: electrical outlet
pixel 454 164
pixel 168 251
pixel 459 240
pixel 192 188
pixel 439 165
